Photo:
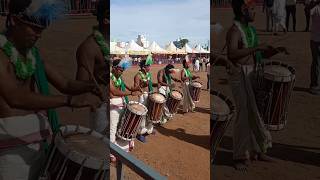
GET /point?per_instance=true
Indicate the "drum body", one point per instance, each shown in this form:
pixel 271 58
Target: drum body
pixel 131 120
pixel 73 157
pixel 155 107
pixel 223 111
pixel 195 89
pixel 173 101
pixel 273 94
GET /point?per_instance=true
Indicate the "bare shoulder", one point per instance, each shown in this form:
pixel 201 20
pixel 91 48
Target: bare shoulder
pixel 88 47
pixel 233 32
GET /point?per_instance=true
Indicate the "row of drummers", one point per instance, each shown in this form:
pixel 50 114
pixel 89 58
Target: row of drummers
pixel 131 119
pixel 272 87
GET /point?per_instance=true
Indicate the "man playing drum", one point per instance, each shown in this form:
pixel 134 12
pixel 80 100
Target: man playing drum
pixel 143 79
pixel 250 137
pixel 25 101
pixel 165 85
pixel 119 93
pixel 186 78
pixel 92 60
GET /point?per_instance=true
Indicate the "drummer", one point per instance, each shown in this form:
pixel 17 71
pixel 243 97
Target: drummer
pixel 92 58
pixel 186 78
pixel 250 137
pixel 165 85
pixel 27 114
pixel 143 80
pixel 119 93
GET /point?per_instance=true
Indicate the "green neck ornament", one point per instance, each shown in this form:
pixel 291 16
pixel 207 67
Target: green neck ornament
pixel 169 81
pixel 250 38
pixel 101 42
pixel 24 68
pixel 118 83
pixel 188 73
pixel 147 78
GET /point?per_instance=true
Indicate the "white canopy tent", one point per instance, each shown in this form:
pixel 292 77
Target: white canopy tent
pixel 188 49
pixel 200 50
pixel 114 49
pixel 156 49
pixel 134 49
pixel 172 49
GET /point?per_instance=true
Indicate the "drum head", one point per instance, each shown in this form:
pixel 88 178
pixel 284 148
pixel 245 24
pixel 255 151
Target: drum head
pixel 76 142
pixel 137 108
pixel 278 73
pixel 196 84
pixel 157 97
pixel 221 107
pixel 176 95
pixel 83 143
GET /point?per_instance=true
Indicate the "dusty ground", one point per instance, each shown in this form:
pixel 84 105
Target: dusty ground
pixel 296 149
pixel 180 149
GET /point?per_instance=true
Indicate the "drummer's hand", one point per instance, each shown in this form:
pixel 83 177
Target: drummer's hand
pixel 264 47
pixel 85 100
pixel 282 50
pixel 136 93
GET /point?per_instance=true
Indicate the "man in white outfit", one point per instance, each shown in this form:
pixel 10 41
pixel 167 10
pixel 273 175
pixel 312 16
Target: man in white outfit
pixel 143 80
pixel 119 93
pixel 165 84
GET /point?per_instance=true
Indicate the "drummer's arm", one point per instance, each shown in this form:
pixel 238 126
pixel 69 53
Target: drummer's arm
pixel 175 79
pixel 136 82
pixel 117 92
pixel 195 77
pixel 159 77
pixel 235 54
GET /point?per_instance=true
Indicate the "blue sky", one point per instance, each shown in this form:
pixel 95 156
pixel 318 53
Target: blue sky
pixel 161 20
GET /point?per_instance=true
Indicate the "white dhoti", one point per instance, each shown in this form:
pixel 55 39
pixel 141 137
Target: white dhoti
pixel 145 126
pixel 116 110
pixel 22 152
pixel 249 132
pixel 99 120
pixel 188 104
pixel 165 90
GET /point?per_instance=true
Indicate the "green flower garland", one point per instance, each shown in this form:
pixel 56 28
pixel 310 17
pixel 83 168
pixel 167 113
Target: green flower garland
pixel 101 42
pixel 23 69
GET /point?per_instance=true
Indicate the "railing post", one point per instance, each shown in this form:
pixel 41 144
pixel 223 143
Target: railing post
pixel 119 170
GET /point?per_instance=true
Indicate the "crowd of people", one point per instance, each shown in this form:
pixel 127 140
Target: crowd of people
pixel 280 13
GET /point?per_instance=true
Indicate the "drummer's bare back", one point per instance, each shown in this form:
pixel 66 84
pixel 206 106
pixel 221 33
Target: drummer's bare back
pixel 90 58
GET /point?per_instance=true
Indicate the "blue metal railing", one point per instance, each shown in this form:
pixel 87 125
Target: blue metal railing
pixel 136 165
